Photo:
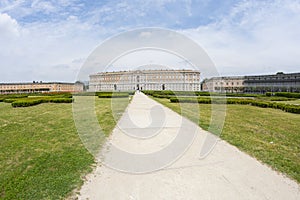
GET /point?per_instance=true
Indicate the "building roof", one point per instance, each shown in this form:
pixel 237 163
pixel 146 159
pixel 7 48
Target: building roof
pixel 30 83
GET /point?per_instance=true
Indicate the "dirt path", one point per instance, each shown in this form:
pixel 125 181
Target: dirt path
pixel 226 173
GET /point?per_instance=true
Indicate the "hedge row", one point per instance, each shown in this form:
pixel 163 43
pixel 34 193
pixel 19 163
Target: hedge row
pixel 263 104
pixel 288 94
pixel 53 94
pixel 168 93
pixel 9 100
pixel 284 94
pixel 112 94
pixel 26 103
pixel 32 102
pixel 11 96
pixel 173 93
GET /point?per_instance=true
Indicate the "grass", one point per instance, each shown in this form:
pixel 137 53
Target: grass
pixel 109 111
pixel 41 154
pixel 272 136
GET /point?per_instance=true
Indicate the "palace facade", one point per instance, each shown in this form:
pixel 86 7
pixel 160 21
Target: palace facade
pixel 231 84
pixel 12 88
pixel 279 82
pixel 176 80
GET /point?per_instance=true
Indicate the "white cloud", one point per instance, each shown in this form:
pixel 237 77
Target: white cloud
pixel 44 6
pixel 256 37
pixel 8 26
pixel 253 37
pixel 38 51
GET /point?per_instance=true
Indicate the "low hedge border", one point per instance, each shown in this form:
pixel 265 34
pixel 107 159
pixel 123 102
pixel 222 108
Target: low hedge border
pixel 112 94
pixel 32 102
pixel 169 93
pixel 285 107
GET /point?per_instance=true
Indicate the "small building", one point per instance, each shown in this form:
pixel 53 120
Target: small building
pixel 176 80
pixel 230 84
pixel 40 87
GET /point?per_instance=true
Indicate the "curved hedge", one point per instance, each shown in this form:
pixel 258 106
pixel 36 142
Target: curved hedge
pixel 9 100
pixel 25 103
pixel 32 102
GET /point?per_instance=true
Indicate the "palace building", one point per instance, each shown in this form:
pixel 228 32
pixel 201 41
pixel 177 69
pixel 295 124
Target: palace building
pixel 279 82
pixel 176 80
pixel 36 87
pixel 232 84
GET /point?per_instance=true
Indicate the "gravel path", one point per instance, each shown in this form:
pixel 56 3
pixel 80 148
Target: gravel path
pixel 145 133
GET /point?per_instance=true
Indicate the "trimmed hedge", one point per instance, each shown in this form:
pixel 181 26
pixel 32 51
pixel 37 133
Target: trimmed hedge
pixel 263 104
pixel 169 93
pixel 112 94
pixel 54 94
pixel 288 94
pixel 32 102
pixel 26 103
pixel 61 100
pixel 9 100
pixel 35 101
pixel 4 97
pixel 25 100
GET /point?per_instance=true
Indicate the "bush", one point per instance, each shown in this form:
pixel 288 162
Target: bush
pixel 25 103
pixel 281 99
pixel 268 94
pixel 262 104
pixel 56 94
pixel 35 101
pixel 61 100
pixel 292 109
pixel 9 100
pixel 112 94
pixel 288 94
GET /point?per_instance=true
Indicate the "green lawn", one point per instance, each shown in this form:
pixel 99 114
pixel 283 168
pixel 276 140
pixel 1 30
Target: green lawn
pixel 41 154
pixel 270 135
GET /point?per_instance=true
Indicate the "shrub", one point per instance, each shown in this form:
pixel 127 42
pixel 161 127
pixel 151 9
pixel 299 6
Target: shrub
pixel 112 94
pixel 162 96
pixel 262 104
pixel 35 101
pixel 268 94
pixel 292 109
pixel 288 94
pixel 25 103
pixel 174 100
pixel 281 99
pixel 61 100
pixel 9 100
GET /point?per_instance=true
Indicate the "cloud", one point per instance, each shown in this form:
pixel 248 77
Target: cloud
pixel 255 37
pixel 35 51
pixel 8 26
pixel 242 37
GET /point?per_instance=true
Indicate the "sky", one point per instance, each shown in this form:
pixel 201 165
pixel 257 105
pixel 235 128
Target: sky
pixel 50 40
